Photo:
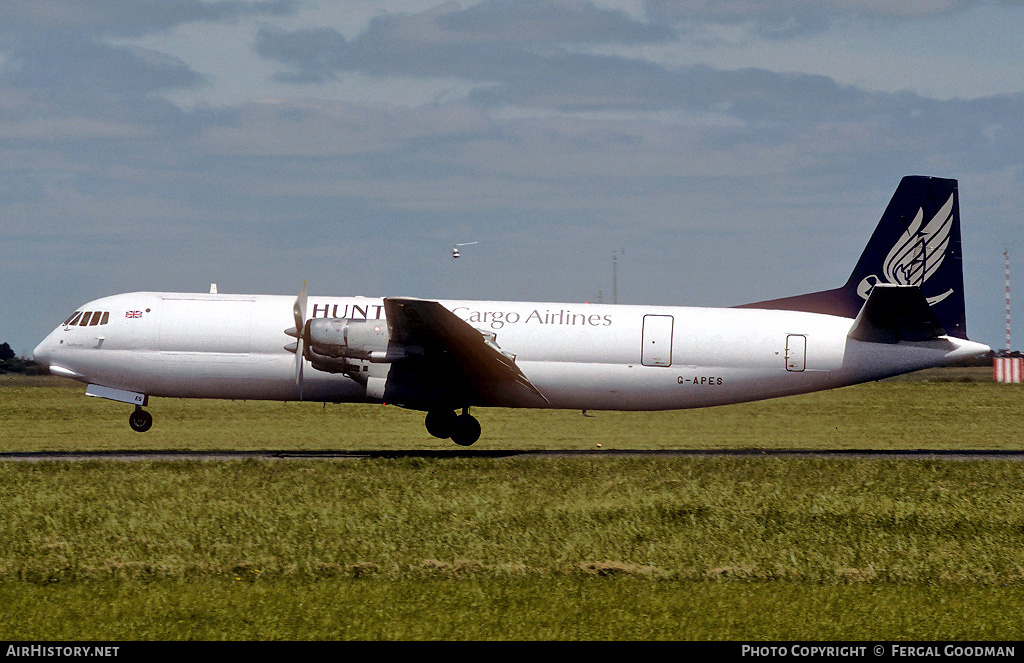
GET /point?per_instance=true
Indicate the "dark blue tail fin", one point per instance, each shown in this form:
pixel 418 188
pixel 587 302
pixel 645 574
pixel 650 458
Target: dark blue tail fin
pixel 917 242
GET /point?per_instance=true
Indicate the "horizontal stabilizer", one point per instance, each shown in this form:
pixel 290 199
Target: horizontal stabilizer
pixel 895 313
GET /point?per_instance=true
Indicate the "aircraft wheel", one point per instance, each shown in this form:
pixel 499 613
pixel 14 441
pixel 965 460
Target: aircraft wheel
pixel 440 423
pixel 466 430
pixel 140 420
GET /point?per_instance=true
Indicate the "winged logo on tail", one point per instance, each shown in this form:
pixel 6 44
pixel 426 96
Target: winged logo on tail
pixel 917 254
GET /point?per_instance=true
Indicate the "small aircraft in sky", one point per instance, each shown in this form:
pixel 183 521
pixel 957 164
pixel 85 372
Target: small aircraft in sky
pixel 901 310
pixel 455 249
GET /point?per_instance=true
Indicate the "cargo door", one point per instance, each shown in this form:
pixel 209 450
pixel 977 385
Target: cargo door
pixel 657 341
pixel 796 352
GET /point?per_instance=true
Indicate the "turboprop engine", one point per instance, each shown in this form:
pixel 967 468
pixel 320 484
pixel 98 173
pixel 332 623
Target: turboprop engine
pixel 359 348
pixel 333 344
pixel 349 339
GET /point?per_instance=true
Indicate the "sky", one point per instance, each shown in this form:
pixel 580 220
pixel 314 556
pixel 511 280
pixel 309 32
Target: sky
pixel 718 152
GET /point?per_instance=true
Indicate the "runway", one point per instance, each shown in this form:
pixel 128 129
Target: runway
pixel 370 454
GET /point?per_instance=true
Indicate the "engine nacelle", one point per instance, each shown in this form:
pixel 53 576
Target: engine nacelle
pixel 351 339
pixel 330 364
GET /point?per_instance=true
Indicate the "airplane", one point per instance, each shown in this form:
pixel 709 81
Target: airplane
pixel 901 310
pixel 455 249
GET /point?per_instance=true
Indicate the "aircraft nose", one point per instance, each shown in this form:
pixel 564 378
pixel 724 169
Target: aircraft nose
pixel 43 353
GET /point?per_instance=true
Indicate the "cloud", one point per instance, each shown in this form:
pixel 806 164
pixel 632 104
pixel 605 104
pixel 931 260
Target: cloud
pixel 553 78
pixel 300 128
pixel 540 68
pixel 316 54
pixel 786 19
pixel 537 22
pixel 125 18
pixel 84 66
pixel 493 41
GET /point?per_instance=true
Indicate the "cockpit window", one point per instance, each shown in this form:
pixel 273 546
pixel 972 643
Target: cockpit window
pixel 87 319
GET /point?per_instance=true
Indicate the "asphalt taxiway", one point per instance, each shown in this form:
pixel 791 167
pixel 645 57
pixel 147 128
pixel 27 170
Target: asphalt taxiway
pixel 356 454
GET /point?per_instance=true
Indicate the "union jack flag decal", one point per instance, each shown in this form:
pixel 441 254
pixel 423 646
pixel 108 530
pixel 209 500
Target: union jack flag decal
pixel 133 314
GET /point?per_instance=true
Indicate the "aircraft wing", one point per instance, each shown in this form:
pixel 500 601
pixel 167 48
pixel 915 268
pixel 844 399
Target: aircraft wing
pixel 459 358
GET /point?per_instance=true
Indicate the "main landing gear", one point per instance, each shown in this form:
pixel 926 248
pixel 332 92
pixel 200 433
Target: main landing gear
pixel 463 429
pixel 140 420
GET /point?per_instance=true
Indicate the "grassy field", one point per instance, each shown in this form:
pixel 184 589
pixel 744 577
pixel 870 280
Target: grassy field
pixel 942 408
pixel 520 548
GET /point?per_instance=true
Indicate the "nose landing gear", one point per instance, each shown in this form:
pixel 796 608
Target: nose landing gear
pixel 140 420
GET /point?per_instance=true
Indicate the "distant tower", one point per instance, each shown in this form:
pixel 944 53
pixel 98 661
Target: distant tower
pixel 1006 255
pixel 615 274
pixel 1007 368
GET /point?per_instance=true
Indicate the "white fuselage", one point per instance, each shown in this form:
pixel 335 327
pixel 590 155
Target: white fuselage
pixel 579 356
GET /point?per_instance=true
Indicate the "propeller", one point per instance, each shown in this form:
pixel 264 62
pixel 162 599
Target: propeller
pixel 298 332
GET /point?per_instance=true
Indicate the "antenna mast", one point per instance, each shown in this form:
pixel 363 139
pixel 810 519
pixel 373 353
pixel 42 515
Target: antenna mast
pixel 615 274
pixel 1006 255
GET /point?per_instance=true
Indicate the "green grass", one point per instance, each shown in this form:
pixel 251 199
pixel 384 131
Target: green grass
pixel 517 548
pixel 636 548
pixel 939 409
pixel 801 520
pixel 565 608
